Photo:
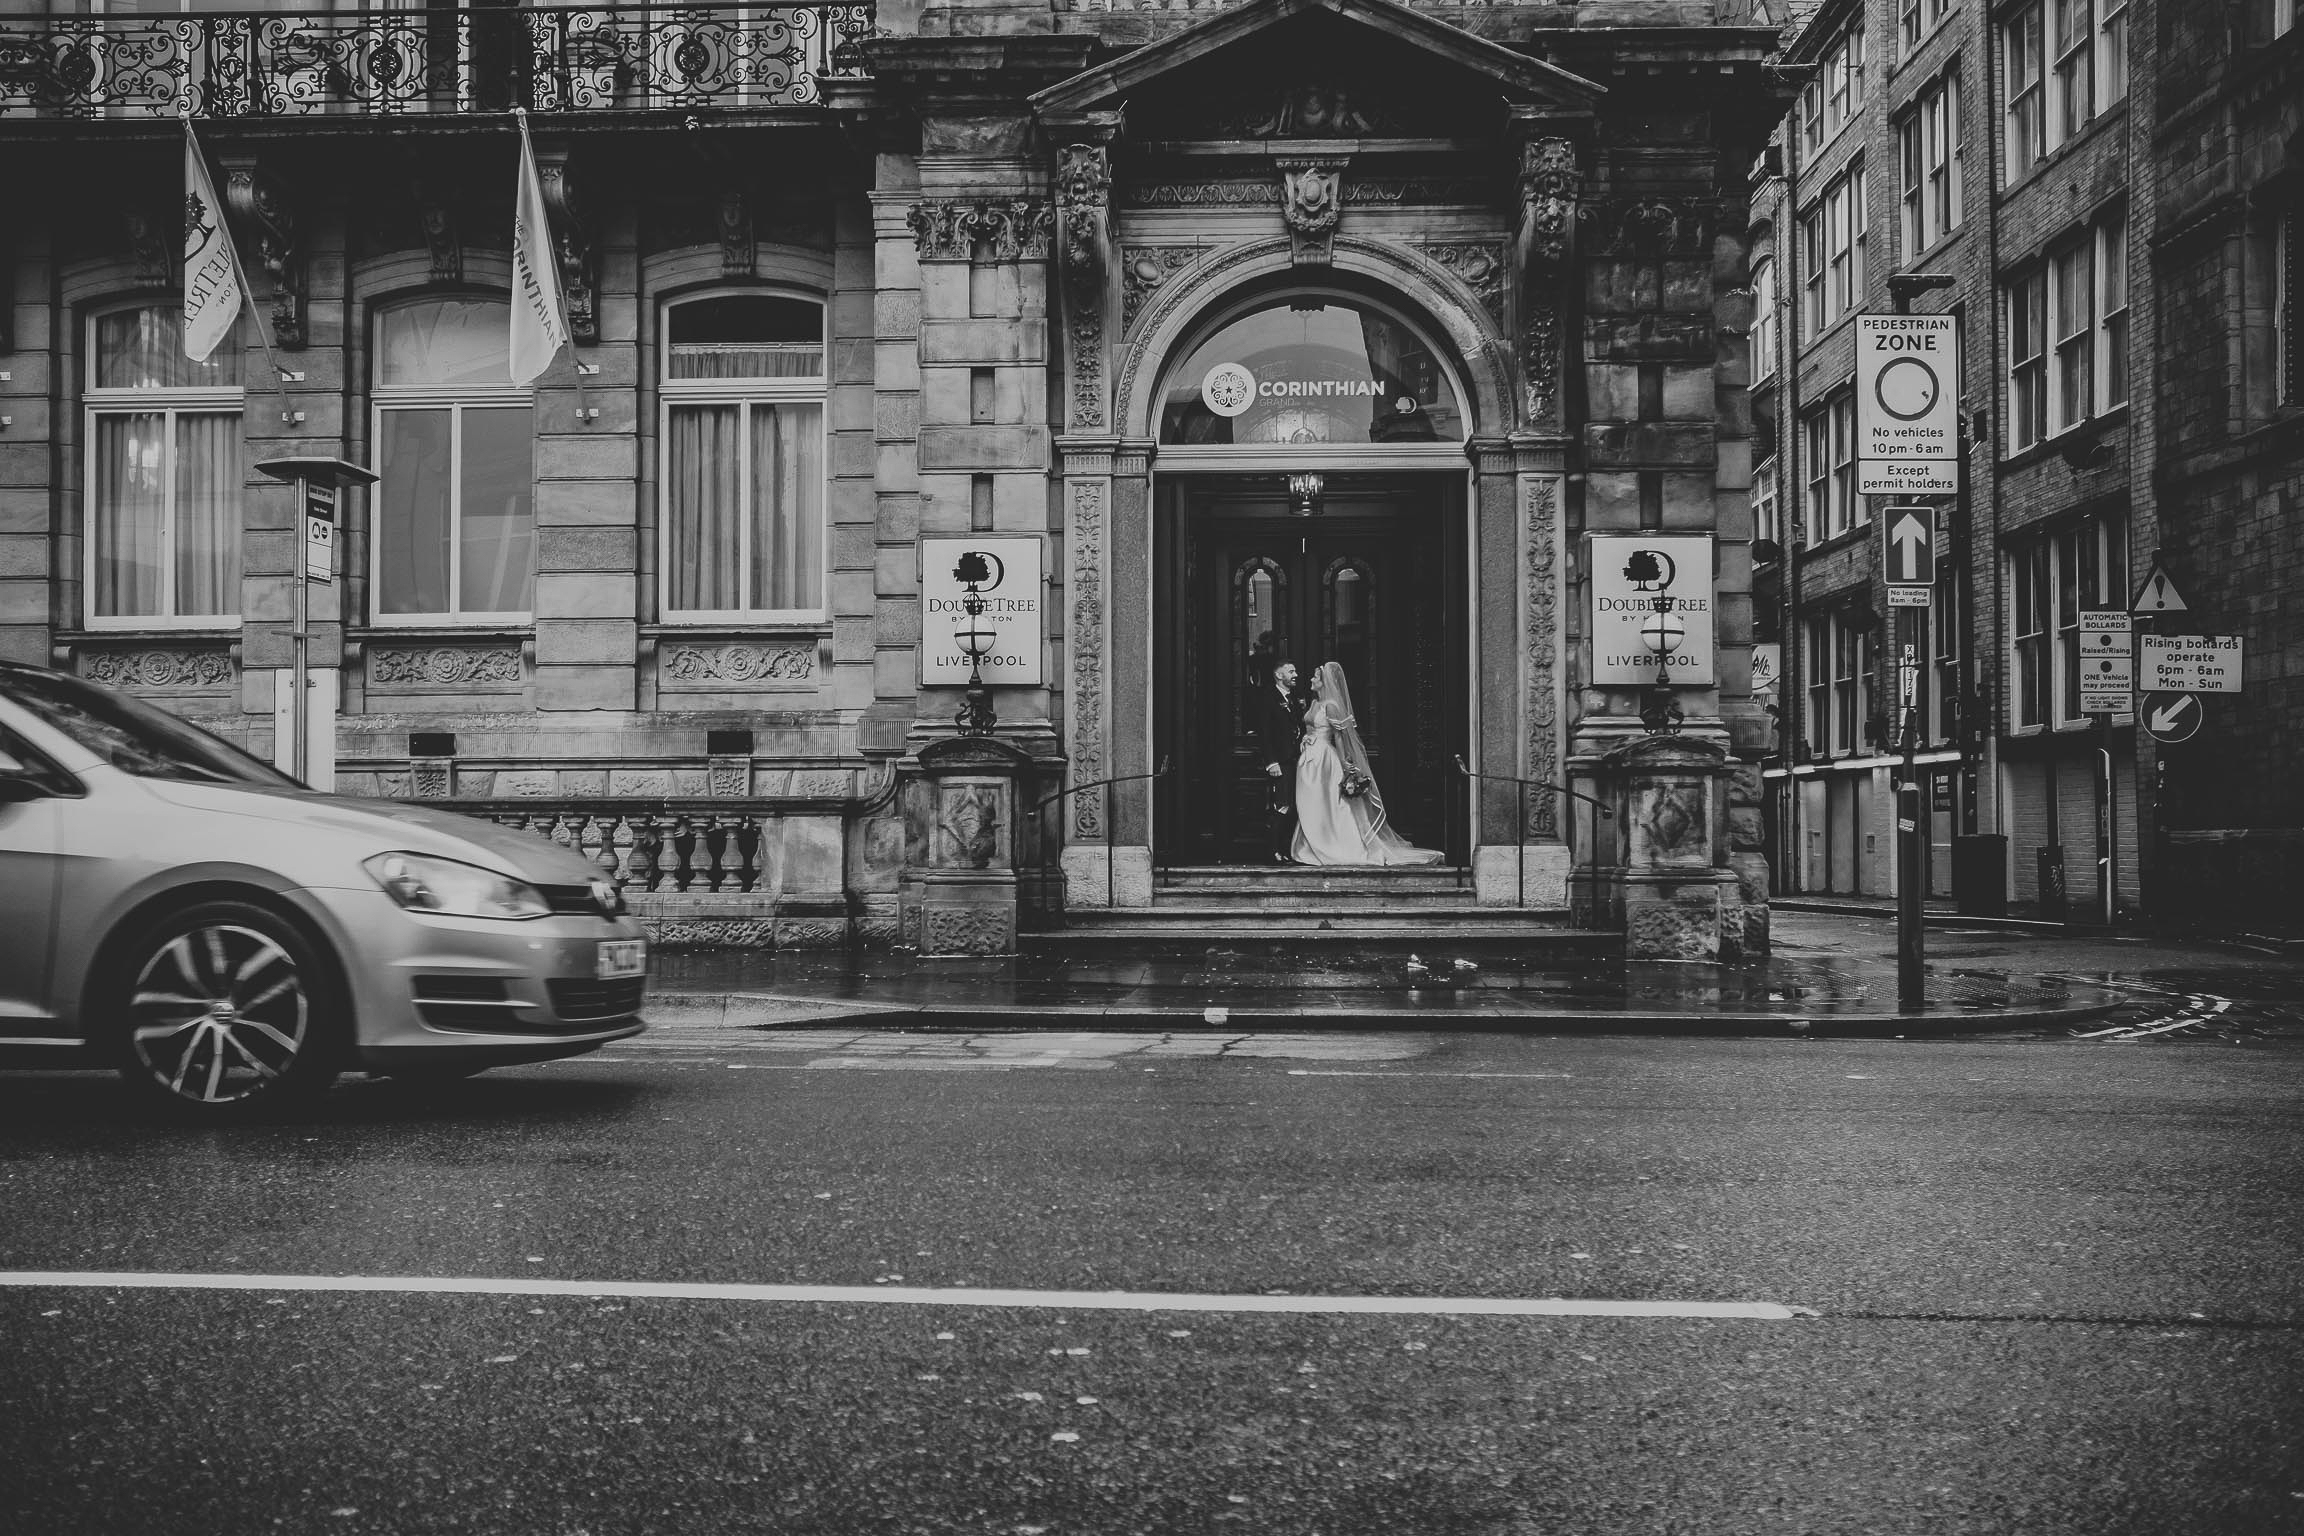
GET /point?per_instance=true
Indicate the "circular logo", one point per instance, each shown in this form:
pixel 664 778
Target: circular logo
pixel 1907 389
pixel 1405 405
pixel 1228 389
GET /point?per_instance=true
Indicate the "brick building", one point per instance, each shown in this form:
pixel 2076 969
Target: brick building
pixel 2003 150
pixel 853 291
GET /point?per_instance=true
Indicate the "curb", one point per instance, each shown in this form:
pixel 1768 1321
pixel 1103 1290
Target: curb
pixel 742 1011
pixel 1947 919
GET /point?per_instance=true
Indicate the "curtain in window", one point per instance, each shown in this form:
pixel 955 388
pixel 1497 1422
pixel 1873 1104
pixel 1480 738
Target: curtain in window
pixel 144 349
pixel 412 511
pixel 496 572
pixel 788 498
pixel 207 514
pixel 707 507
pixel 445 341
pixel 130 502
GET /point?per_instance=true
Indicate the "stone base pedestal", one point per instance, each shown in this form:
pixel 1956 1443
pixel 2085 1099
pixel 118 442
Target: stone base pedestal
pixel 1091 882
pixel 1662 872
pixel 972 875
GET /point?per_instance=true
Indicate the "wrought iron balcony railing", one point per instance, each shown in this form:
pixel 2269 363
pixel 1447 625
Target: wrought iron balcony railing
pixel 547 58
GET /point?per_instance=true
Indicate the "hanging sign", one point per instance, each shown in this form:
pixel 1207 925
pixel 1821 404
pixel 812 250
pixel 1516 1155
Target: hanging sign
pixel 1651 608
pixel 320 532
pixel 1007 633
pixel 1907 404
pixel 1767 666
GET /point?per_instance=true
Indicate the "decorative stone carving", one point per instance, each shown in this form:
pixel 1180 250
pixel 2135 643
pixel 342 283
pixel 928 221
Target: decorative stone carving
pixel 437 218
pixel 563 210
pixel 526 784
pixel 1083 198
pixel 1085 639
pixel 443 668
pixel 431 780
pixel 1388 191
pixel 821 786
pixel 967 826
pixel 1550 182
pixel 695 665
pixel 1675 820
pixel 967 931
pixel 712 932
pixel 639 783
pixel 1144 269
pixel 729 778
pixel 811 933
pixel 692 783
pixel 260 208
pixel 1015 230
pixel 1540 496
pixel 1540 354
pixel 151 246
pixel 1308 109
pixel 739 254
pixel 1311 202
pixel 181 671
pixel 1479 265
pixel 1653 227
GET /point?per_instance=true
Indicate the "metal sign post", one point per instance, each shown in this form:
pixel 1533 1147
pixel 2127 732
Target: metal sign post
pixel 319 480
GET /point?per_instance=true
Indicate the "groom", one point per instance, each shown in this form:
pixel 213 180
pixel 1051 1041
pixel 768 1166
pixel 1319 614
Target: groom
pixel 1279 737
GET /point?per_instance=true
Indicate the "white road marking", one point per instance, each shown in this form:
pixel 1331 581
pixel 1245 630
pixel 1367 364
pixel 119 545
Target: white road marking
pixel 910 1295
pixel 1319 1072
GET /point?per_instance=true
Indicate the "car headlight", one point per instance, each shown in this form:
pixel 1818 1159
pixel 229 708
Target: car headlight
pixel 422 883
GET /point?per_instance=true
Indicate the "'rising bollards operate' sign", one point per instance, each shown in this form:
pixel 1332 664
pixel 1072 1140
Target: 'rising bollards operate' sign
pixel 1008 632
pixel 1651 603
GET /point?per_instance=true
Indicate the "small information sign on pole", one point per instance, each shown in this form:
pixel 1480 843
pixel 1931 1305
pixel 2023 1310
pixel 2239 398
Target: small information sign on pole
pixel 2107 661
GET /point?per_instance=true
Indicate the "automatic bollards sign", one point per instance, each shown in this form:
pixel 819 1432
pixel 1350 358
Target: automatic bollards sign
pixel 1002 577
pixel 1651 608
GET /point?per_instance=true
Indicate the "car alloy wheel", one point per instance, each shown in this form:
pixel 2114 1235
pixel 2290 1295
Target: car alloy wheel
pixel 226 1014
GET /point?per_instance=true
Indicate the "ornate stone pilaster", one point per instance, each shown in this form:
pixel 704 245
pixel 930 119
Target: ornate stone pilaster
pixel 264 220
pixel 1551 183
pixel 1083 228
pixel 1009 229
pixel 1086 743
pixel 436 216
pixel 1541 651
pixel 739 253
pixel 1311 204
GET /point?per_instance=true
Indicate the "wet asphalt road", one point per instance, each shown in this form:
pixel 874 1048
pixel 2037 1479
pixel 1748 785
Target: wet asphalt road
pixel 2056 1286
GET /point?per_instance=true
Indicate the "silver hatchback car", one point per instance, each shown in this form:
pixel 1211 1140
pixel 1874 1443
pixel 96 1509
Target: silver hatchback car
pixel 231 941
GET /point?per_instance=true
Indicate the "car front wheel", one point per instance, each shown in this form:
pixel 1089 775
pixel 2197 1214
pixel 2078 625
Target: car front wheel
pixel 226 1014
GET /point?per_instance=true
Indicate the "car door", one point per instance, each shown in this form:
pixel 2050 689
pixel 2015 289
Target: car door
pixel 29 872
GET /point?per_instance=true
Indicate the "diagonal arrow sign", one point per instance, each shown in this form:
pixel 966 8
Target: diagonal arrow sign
pixel 2169 716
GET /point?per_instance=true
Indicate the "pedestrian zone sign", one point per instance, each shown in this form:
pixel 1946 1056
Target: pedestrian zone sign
pixel 1907 405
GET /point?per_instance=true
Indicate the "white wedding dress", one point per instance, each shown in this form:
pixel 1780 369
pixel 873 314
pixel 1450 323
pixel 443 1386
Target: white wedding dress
pixel 1331 826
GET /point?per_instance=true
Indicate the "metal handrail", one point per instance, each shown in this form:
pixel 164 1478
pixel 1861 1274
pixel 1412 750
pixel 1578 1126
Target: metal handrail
pixel 1520 825
pixel 1110 818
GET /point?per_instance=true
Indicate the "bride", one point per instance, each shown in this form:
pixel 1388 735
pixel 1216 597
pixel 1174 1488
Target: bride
pixel 1333 826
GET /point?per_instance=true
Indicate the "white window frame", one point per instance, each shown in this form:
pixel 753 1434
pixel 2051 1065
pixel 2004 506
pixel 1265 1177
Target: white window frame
pixel 745 393
pixel 2024 67
pixel 1928 165
pixel 1941 687
pixel 456 399
pixel 1844 497
pixel 2027 370
pixel 1766 511
pixel 2059 565
pixel 2072 346
pixel 2112 52
pixel 187 400
pixel 2072 69
pixel 1812 270
pixel 1836 283
pixel 1764 318
pixel 2031 670
pixel 2113 360
pixel 1816 444
pixel 1816 668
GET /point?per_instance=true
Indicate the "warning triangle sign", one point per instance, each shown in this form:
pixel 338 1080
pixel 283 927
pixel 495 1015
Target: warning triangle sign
pixel 2158 595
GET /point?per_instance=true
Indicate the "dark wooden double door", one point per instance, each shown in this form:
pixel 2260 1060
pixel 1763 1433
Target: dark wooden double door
pixel 1373 583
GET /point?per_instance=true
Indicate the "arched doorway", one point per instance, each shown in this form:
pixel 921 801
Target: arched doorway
pixel 1309 505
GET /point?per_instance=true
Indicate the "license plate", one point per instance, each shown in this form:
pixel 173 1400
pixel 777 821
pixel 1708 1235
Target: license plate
pixel 621 957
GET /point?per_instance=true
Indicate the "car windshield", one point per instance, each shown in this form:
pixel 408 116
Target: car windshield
pixel 132 735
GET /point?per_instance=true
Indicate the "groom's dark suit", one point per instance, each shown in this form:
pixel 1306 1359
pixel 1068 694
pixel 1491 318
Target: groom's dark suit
pixel 1279 738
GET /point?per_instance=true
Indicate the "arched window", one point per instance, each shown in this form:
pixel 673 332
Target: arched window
pixel 1312 368
pixel 455 534
pixel 743 495
pixel 164 474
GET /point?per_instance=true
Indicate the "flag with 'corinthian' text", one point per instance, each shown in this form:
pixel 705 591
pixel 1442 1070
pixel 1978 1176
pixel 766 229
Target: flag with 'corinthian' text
pixel 213 290
pixel 539 312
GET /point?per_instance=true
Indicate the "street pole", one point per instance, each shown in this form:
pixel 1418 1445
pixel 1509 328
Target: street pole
pixel 299 700
pixel 319 483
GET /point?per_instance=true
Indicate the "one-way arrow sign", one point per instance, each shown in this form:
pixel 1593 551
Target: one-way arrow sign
pixel 2172 717
pixel 1910 536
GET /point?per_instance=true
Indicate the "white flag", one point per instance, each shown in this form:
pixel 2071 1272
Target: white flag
pixel 539 313
pixel 213 292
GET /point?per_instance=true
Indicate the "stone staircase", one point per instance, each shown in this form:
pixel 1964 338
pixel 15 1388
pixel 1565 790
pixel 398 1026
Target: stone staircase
pixel 1293 905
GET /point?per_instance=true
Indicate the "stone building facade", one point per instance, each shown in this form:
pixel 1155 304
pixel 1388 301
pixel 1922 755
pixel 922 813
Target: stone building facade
pixel 851 290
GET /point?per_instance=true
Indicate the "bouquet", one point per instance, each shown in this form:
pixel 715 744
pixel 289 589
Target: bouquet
pixel 1355 784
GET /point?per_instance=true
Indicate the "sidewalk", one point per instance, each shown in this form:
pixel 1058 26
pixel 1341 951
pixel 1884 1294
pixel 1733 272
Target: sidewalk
pixel 1826 988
